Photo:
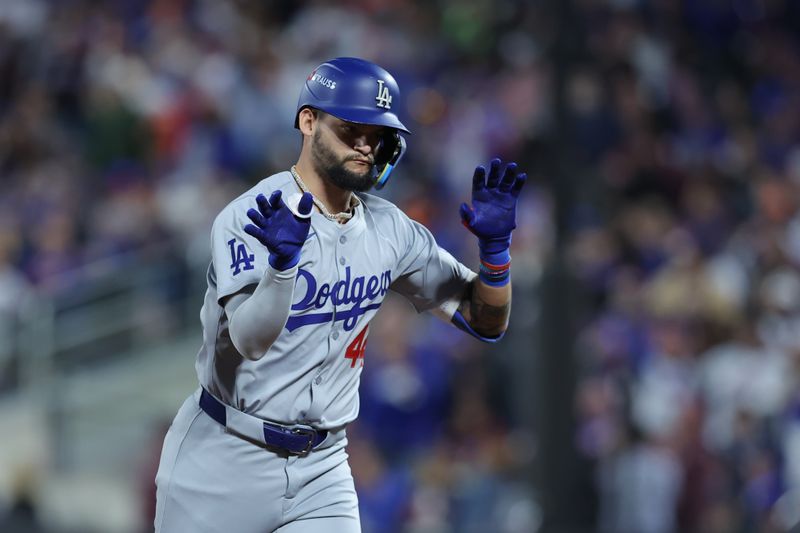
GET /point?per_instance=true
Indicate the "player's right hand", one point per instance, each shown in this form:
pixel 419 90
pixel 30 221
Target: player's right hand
pixel 280 230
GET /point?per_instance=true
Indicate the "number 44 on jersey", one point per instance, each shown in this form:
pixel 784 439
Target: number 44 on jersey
pixel 355 351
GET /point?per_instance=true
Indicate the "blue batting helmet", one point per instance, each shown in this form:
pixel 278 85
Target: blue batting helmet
pixel 354 90
pixel 358 91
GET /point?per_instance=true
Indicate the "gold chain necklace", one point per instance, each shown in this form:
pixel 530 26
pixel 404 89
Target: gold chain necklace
pixel 342 217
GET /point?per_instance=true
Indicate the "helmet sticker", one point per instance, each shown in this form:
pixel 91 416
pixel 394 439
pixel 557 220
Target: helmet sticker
pixel 322 80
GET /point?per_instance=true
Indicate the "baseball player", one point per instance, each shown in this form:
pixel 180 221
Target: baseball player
pixel 300 265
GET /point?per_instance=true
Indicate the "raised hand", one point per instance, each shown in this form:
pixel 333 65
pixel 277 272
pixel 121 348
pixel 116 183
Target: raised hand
pixel 280 230
pixel 492 215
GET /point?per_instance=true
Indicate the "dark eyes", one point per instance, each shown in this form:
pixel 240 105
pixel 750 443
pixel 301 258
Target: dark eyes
pixel 350 131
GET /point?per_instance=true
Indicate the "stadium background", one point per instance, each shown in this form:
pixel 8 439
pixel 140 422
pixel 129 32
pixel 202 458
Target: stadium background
pixel 649 380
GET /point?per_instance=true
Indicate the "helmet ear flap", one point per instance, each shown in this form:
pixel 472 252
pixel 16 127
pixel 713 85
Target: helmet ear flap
pixel 388 146
pixel 393 146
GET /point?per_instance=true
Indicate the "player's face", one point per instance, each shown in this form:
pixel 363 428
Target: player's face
pixel 345 152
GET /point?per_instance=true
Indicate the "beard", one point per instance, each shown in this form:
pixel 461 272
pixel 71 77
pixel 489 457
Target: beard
pixel 326 163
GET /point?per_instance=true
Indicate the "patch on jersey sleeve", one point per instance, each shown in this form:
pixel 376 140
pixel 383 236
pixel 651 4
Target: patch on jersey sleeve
pixel 240 259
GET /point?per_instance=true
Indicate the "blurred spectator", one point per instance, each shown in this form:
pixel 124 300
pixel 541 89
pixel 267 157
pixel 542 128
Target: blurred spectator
pixel 22 515
pixel 15 296
pixel 384 491
pixel 405 384
pixel 641 484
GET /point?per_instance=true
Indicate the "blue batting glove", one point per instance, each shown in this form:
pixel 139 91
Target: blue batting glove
pixel 280 230
pixel 492 215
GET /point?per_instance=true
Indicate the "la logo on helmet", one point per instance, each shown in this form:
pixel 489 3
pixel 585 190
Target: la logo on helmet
pixel 384 99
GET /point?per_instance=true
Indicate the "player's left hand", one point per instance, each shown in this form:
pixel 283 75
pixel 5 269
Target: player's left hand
pixel 492 215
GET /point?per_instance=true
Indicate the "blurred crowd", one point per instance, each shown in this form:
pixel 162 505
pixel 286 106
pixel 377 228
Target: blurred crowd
pixel 685 116
pixel 127 125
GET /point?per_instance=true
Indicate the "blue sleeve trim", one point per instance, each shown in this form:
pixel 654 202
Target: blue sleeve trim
pixel 459 322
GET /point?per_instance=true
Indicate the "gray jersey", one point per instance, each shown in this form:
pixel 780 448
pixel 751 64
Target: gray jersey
pixel 311 372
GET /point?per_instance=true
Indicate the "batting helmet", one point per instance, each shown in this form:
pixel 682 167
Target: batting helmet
pixel 358 91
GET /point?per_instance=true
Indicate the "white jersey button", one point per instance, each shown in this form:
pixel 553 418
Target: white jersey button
pixel 335 335
pixel 341 260
pixel 318 380
pixel 342 239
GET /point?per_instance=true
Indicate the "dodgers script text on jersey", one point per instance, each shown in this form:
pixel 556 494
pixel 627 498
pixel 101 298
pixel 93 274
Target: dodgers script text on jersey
pixel 362 293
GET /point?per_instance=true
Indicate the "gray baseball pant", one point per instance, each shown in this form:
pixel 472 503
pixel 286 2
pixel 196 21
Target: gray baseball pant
pixel 210 480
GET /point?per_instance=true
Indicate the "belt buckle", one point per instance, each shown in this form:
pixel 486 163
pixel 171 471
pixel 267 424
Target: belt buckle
pixel 308 432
